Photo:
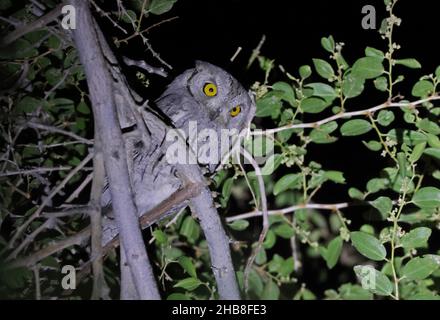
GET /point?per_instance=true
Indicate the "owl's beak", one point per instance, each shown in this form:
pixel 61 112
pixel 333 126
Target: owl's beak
pixel 213 114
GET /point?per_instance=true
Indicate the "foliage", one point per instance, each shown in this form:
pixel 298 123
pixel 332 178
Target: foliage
pixel 384 250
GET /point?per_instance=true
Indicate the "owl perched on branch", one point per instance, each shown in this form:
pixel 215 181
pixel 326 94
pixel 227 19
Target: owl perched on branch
pixel 205 99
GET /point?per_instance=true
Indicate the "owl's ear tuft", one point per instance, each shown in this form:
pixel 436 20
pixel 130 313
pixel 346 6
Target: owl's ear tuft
pixel 203 66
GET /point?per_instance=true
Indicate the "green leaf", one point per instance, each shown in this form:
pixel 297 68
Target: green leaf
pixel 160 236
pixel 28 104
pixel 19 49
pixel 272 163
pixel 417 152
pixel 419 268
pixel 271 291
pixel 188 266
pixel 323 68
pixel 355 127
pixel 268 106
pixel 322 133
pixel 284 230
pixel 433 152
pixel 172 253
pixel 422 88
pixel 305 71
pixel 314 105
pixel 437 72
pixel 190 229
pixel 384 205
pixel 83 108
pixel 376 184
pixel 410 137
pixel 239 225
pixel 410 63
pixel 333 252
pixel 323 90
pixel 385 117
pixel 270 240
pixel 416 238
pixel 355 194
pixel 189 284
pixel 349 291
pixel 424 296
pixel 287 267
pixel 373 145
pixel 352 86
pixel 128 16
pixel 289 181
pixel 381 84
pixel 428 126
pixel 328 43
pixel 158 7
pixel 227 188
pixel 374 53
pixel 368 245
pixel 274 265
pixel 178 296
pixel 427 198
pixel 255 283
pixel 53 76
pixel 286 89
pixel 335 176
pixel 261 257
pixel 401 160
pixel 373 280
pixel 368 68
pixel 15 278
pixel 433 141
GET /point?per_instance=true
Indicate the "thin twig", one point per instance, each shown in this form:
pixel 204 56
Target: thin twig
pixel 107 15
pixel 342 115
pixel 143 65
pixel 80 188
pixel 53 129
pixel 146 30
pixel 256 51
pixel 35 170
pixel 264 212
pixel 48 224
pixel 318 206
pixel 47 200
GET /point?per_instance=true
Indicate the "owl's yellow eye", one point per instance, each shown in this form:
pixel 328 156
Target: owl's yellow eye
pixel 235 111
pixel 210 89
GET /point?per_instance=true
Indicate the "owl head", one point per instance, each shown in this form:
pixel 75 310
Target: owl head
pixel 208 100
pixel 209 95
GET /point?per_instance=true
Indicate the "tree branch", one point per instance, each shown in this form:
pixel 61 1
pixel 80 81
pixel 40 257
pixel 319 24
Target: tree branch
pixel 203 207
pixel 319 206
pixel 265 229
pixel 342 115
pixel 34 25
pixel 115 162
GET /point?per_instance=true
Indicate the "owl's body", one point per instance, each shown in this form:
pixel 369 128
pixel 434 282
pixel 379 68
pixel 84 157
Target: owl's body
pixel 205 94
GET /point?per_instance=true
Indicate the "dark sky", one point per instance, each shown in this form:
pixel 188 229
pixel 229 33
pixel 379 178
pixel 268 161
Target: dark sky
pixel 212 30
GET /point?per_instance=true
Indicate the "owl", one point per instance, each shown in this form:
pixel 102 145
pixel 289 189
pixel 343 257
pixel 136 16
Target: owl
pixel 205 95
pixel 208 95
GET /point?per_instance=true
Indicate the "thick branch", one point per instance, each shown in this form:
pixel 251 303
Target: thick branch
pixel 115 162
pixel 109 241
pixel 33 26
pixel 218 243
